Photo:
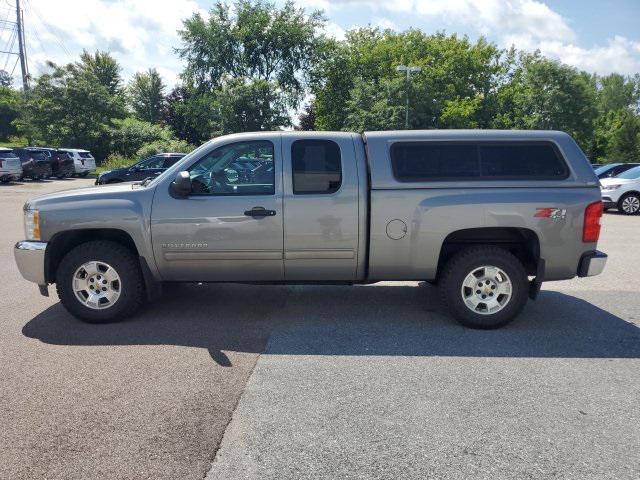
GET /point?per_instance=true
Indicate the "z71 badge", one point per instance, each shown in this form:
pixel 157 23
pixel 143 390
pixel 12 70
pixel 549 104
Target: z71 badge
pixel 553 213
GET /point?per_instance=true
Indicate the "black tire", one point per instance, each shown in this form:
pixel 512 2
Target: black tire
pixel 460 265
pixel 126 264
pixel 635 199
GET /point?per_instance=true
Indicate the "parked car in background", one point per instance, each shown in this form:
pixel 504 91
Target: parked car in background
pixel 61 163
pixel 83 161
pixel 149 167
pixel 622 192
pixel 10 166
pixel 35 164
pixel 614 169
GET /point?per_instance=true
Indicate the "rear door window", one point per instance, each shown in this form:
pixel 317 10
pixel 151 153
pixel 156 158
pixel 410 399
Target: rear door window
pixel 317 166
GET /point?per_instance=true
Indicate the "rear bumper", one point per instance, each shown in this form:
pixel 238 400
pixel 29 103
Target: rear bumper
pixel 30 258
pixel 592 264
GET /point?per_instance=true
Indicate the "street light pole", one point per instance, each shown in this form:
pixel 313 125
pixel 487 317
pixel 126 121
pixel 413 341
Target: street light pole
pixel 409 71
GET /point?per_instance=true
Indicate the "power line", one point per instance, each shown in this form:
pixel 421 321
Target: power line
pixel 49 27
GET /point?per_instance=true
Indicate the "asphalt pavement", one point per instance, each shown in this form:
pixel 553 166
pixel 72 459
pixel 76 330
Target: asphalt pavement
pixel 367 382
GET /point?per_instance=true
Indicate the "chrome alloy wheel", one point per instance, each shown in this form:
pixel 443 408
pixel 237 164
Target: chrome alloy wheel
pixel 97 285
pixel 631 204
pixel 486 290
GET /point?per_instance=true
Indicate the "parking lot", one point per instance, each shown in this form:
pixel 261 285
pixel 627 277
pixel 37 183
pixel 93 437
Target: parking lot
pixel 233 381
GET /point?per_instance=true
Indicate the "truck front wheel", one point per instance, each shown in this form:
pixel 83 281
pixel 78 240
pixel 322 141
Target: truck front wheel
pixel 100 282
pixel 484 287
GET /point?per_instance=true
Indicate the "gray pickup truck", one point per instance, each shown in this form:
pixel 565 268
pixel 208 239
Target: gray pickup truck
pixel 486 215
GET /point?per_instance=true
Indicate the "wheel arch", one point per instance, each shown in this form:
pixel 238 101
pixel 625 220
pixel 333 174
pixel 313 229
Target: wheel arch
pixel 524 243
pixel 62 242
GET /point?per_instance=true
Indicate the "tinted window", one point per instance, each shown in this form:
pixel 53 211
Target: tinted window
pixel 424 161
pixel 152 162
pixel 316 166
pixel 85 154
pixel 7 154
pixel 225 171
pixel 169 161
pixel 522 161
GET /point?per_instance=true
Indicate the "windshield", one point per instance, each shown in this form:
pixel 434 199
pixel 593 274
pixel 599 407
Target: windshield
pixel 604 168
pixel 8 155
pixel 176 167
pixel 630 174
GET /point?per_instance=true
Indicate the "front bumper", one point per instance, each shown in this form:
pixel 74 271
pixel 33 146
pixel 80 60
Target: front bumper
pixel 592 264
pixel 30 260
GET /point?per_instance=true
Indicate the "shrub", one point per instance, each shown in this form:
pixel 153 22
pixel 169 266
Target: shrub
pixel 174 146
pixel 115 160
pixel 129 135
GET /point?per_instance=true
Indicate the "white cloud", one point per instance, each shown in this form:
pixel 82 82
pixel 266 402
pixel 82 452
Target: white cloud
pixel 139 33
pixel 526 24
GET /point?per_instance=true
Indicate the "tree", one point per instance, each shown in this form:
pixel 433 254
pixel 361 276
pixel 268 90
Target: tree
pixel 307 118
pixel 258 41
pixel 72 106
pixel 618 92
pixel 128 135
pixel 146 95
pixel 6 80
pixel 250 105
pixel 624 145
pixel 454 70
pixel 545 94
pixel 191 115
pixel 104 68
pixel 9 108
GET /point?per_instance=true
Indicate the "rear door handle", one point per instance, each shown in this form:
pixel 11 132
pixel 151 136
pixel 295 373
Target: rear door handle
pixel 259 212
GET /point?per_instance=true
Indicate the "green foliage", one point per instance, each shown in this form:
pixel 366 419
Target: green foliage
pixel 544 94
pixel 9 108
pixel 146 95
pixel 166 146
pixel 258 41
pixel 73 105
pixel 116 160
pixel 130 134
pixel 250 105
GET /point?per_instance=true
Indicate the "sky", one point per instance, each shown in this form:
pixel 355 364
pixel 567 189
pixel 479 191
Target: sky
pixel 592 35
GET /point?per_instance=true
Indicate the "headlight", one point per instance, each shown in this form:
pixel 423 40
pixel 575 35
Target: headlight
pixel 612 187
pixel 32 224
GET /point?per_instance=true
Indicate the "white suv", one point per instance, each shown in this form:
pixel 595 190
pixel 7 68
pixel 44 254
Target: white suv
pixel 83 161
pixel 622 192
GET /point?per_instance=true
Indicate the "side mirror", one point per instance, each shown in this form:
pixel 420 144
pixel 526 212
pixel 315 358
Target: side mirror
pixel 181 186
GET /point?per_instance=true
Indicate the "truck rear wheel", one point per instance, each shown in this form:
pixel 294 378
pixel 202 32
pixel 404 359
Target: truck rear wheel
pixel 484 287
pixel 100 282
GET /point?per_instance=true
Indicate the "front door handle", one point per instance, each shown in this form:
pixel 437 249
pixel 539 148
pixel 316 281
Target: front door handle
pixel 259 212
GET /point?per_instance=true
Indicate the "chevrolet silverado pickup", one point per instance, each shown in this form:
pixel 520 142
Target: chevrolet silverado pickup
pixel 486 215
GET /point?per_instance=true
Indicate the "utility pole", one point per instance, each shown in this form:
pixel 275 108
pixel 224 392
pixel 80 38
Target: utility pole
pixel 409 70
pixel 22 51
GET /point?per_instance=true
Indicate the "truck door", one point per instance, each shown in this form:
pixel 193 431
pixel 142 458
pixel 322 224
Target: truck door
pixel 230 227
pixel 320 207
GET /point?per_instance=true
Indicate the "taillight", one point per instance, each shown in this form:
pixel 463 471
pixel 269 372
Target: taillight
pixel 591 228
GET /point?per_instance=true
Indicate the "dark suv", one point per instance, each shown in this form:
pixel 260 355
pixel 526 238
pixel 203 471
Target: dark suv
pixel 149 167
pixel 61 164
pixel 35 164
